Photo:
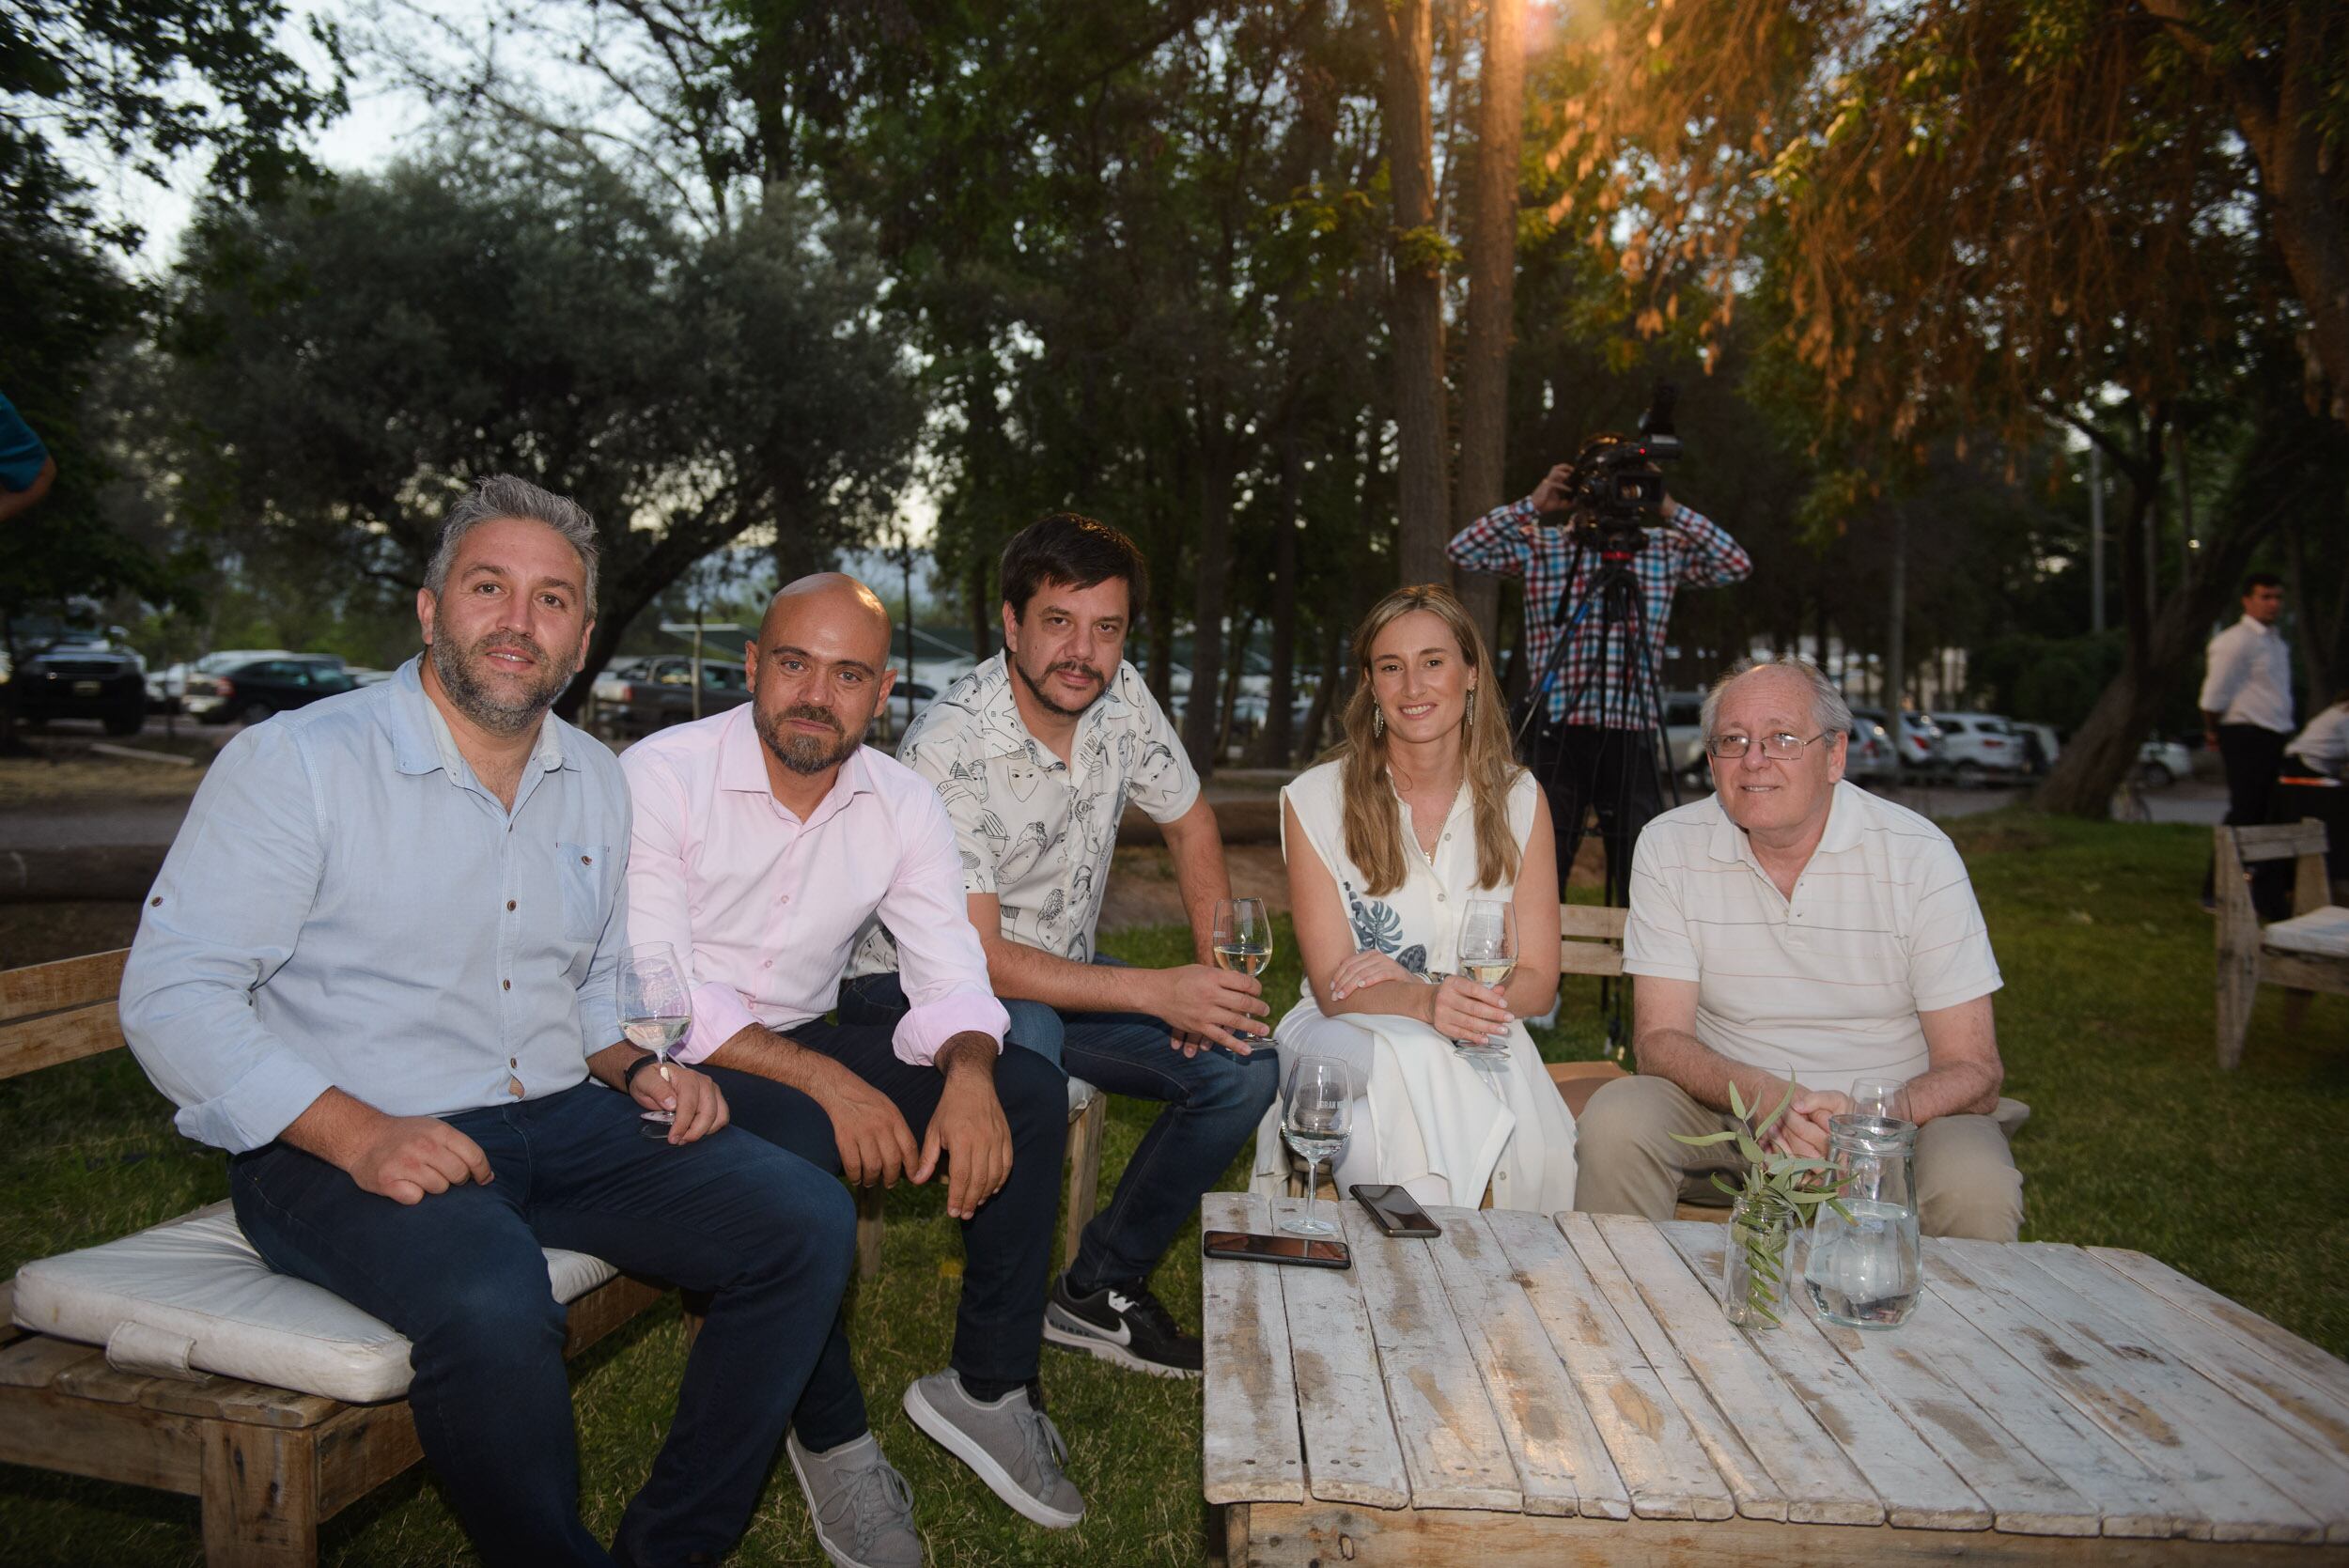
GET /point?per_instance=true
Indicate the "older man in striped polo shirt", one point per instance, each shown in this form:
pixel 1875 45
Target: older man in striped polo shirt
pixel 1792 923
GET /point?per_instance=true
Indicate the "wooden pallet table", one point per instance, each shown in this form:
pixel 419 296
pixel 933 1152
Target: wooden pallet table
pixel 1529 1390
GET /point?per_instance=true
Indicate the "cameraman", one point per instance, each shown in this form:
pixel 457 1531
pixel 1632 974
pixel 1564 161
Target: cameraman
pixel 1594 742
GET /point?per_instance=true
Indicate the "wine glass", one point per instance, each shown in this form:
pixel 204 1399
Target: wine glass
pixel 1243 945
pixel 1884 1098
pixel 656 1010
pixel 1489 954
pixel 1316 1111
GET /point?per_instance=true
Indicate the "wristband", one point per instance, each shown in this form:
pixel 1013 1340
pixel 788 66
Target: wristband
pixel 628 1074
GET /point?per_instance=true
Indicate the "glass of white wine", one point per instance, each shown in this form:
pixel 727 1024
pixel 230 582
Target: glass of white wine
pixel 656 1010
pixel 1317 1112
pixel 1488 954
pixel 1243 945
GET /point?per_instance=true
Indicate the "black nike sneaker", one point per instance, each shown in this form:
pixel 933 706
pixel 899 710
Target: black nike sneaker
pixel 1124 1323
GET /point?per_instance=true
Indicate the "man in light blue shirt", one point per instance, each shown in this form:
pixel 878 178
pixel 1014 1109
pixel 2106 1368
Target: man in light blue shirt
pixel 378 969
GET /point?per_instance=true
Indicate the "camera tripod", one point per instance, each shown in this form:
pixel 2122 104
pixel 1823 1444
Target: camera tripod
pixel 1616 598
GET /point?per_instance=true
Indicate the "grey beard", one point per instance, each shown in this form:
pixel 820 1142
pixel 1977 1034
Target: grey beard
pixel 803 754
pixel 472 697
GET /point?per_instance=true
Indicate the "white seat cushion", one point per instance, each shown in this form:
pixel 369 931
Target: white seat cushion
pixel 2324 933
pixel 1080 1097
pixel 193 1295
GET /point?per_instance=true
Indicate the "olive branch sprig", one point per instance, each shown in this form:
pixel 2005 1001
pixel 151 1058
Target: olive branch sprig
pixel 1772 1188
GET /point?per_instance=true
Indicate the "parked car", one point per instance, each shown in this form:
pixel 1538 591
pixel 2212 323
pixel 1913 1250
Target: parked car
pixel 83 676
pixel 636 697
pixel 1978 748
pixel 1684 734
pixel 2162 763
pixel 1868 753
pixel 168 692
pixel 259 689
pixel 1914 738
pixel 2041 747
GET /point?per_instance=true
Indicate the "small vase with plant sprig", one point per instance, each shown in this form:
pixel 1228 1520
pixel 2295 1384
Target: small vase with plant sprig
pixel 1776 1194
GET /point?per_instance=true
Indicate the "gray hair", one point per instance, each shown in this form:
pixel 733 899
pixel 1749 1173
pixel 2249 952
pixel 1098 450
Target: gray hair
pixel 1828 711
pixel 503 495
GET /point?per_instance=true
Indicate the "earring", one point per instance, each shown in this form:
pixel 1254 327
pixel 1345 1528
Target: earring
pixel 1469 720
pixel 1377 721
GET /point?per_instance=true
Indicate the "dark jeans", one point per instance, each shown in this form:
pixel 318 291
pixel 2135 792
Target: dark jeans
pixel 461 1274
pixel 2253 754
pixel 1007 1247
pixel 1610 770
pixel 1213 1103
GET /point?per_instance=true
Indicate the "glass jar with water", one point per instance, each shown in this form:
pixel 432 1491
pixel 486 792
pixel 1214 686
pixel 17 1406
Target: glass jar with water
pixel 1866 1267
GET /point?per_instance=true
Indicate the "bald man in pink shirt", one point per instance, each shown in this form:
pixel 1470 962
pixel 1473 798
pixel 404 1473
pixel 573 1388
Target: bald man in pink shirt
pixel 767 842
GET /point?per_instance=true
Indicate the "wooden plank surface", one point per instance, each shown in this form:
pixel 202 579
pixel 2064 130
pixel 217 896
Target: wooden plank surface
pixel 1821 1484
pixel 66 1036
pixel 1756 1493
pixel 2297 1436
pixel 2021 1491
pixel 1250 1448
pixel 102 1382
pixel 2146 1405
pixel 1284 1535
pixel 1655 1452
pixel 2279 1345
pixel 233 1399
pixel 34 1361
pixel 1453 1449
pixel 1351 1453
pixel 1562 1465
pixel 65 983
pixel 135 1447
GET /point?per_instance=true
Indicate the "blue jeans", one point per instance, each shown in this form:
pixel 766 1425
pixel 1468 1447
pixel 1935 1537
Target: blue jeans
pixel 1007 1246
pixel 460 1274
pixel 1213 1103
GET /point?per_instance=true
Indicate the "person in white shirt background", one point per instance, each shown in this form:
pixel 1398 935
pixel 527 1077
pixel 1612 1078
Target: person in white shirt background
pixel 2246 712
pixel 2321 750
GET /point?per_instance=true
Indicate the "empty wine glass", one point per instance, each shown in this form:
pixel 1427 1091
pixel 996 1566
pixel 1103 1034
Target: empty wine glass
pixel 1488 954
pixel 655 1011
pixel 1317 1112
pixel 1243 945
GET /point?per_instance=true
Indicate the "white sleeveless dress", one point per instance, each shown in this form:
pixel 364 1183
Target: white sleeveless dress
pixel 1431 1113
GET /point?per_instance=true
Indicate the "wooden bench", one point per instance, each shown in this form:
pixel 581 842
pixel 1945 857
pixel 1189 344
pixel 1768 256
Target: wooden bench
pixel 2306 954
pixel 270 1465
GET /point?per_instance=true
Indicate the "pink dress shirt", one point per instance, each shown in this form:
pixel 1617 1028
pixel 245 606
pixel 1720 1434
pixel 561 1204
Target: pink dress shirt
pixel 765 909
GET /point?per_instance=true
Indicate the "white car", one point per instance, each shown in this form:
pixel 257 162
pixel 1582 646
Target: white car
pixel 2162 763
pixel 1979 747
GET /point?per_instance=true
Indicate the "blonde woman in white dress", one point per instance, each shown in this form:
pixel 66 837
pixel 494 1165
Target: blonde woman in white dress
pixel 1420 808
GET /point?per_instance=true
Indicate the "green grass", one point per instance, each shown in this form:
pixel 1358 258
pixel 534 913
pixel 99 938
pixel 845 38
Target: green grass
pixel 2137 1139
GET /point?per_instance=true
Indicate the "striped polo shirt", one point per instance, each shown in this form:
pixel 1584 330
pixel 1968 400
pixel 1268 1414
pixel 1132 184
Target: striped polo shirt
pixel 1882 925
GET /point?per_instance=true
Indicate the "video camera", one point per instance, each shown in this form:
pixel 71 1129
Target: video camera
pixel 1615 482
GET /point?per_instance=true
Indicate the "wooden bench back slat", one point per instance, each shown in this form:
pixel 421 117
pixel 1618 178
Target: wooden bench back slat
pixel 1591 940
pixel 54 1037
pixel 2279 841
pixel 67 983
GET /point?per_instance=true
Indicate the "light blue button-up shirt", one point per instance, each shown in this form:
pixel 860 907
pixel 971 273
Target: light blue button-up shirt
pixel 346 906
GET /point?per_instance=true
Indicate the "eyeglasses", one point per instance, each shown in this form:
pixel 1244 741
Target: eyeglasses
pixel 1779 748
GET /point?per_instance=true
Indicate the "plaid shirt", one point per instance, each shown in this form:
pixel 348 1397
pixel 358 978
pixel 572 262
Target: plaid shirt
pixel 1511 541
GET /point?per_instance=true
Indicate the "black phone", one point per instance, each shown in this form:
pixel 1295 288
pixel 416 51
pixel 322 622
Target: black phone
pixel 1395 1211
pixel 1247 1248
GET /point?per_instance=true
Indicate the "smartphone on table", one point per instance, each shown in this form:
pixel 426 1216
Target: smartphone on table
pixel 1244 1247
pixel 1394 1211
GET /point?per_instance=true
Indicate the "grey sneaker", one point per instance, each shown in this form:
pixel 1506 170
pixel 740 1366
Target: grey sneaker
pixel 1014 1447
pixel 862 1511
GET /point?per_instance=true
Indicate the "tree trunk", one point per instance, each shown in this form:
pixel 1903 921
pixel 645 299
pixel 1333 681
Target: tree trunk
pixel 982 606
pixel 1216 463
pixel 1417 329
pixel 1490 235
pixel 2276 98
pixel 1277 742
pixel 1329 693
pixel 1231 678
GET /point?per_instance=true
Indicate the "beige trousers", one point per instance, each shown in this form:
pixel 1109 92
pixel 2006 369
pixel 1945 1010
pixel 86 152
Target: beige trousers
pixel 1967 1184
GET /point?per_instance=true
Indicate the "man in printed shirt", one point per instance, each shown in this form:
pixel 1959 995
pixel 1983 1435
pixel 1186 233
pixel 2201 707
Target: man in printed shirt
pixel 378 969
pixel 1036 753
pixel 768 841
pixel 1596 739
